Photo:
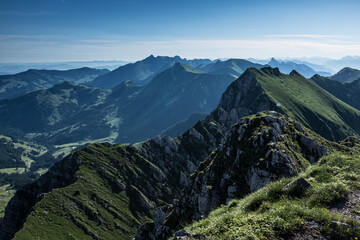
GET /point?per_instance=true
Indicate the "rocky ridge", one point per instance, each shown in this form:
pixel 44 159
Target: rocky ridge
pixel 134 181
pixel 255 151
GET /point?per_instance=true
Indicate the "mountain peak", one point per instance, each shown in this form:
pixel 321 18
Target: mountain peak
pixel 294 73
pixel 271 71
pixel 346 75
pixel 273 61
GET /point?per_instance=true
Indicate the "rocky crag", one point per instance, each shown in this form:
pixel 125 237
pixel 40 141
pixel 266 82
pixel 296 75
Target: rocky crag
pixel 255 151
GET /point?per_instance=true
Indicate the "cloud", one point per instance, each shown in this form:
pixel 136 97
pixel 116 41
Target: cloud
pixel 311 36
pixel 56 48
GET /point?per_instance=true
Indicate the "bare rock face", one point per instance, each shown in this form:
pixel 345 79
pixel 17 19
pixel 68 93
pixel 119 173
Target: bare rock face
pixel 255 151
pixel 243 97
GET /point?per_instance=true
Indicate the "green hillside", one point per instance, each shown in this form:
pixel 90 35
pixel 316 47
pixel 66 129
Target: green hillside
pixel 346 75
pixel 262 89
pixel 347 92
pixel 22 162
pixel 105 190
pixel 302 99
pixel 104 201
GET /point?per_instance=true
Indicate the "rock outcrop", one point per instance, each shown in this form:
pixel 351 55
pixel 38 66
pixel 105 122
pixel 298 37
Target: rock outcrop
pixel 255 151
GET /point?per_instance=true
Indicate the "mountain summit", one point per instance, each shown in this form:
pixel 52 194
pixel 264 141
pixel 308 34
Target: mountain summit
pixel 346 75
pixel 267 88
pixel 141 72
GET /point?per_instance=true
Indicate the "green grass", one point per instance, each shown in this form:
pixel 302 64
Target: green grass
pixel 270 213
pixel 28 150
pixel 303 100
pixel 93 204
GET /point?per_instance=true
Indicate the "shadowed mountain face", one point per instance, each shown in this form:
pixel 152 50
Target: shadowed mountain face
pixel 73 113
pixel 170 97
pixel 17 84
pixel 346 75
pixel 60 114
pixel 287 67
pixel 347 92
pixel 143 71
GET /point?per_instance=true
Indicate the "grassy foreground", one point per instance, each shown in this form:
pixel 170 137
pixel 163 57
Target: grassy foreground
pixel 270 213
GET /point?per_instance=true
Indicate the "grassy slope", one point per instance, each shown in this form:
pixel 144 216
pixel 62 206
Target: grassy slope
pixel 347 92
pixel 346 75
pixel 92 202
pixel 303 100
pixel 272 214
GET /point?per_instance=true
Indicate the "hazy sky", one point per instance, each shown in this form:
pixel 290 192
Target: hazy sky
pixel 69 30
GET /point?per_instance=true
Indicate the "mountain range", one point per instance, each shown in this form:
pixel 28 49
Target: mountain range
pixel 14 68
pixel 268 131
pixel 32 79
pixel 108 191
pixel 68 113
pixel 141 72
pixel 303 69
pixel 347 92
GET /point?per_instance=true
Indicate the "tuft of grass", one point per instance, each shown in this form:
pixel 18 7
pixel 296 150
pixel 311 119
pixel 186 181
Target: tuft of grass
pixel 328 194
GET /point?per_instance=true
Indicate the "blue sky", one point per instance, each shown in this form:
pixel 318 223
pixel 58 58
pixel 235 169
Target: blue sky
pixel 73 30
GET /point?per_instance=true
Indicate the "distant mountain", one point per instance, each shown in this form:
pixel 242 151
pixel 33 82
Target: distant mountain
pixel 17 84
pixel 14 68
pixel 70 113
pixel 287 67
pixel 170 97
pixel 348 61
pixel 346 75
pixel 321 69
pixel 61 114
pixel 233 67
pixel 347 92
pixel 141 72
